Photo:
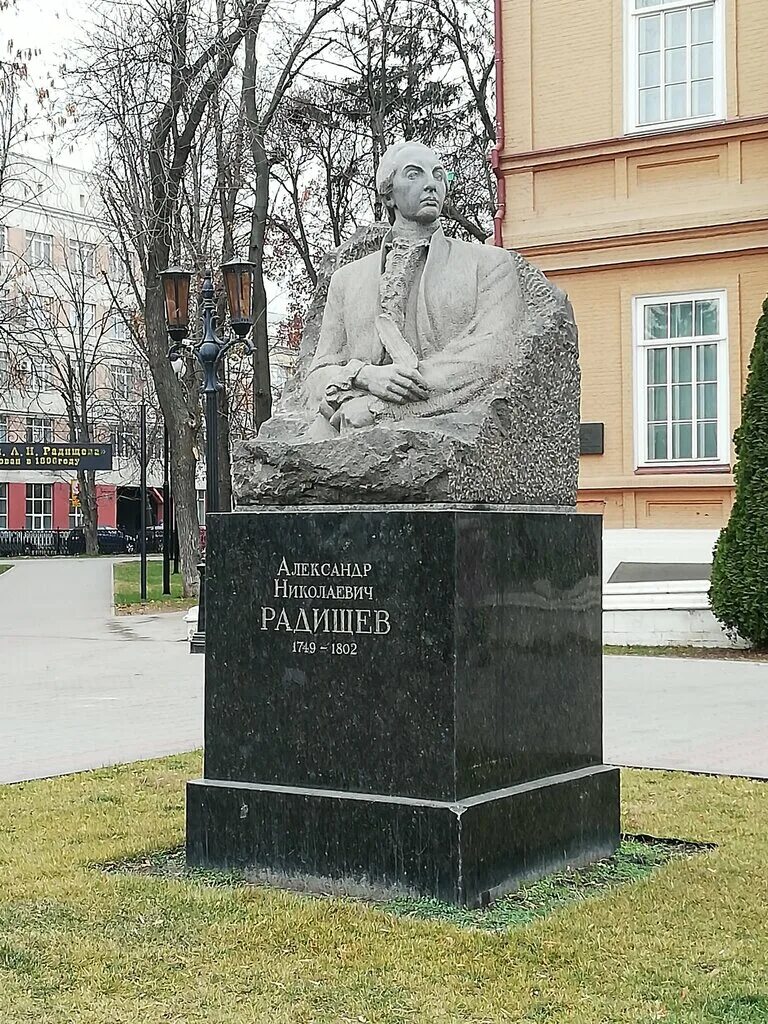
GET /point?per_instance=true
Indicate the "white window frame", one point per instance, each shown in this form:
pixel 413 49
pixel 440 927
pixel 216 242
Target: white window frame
pixel 40 247
pixel 122 378
pixel 38 507
pixel 125 442
pixel 640 391
pixel 3 506
pixel 632 15
pixel 39 430
pixel 82 256
pixel 118 328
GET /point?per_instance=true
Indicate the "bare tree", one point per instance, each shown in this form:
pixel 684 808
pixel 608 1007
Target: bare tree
pixel 148 75
pixel 64 352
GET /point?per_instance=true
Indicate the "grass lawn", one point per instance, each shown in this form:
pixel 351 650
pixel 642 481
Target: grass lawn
pixel 78 945
pixel 127 587
pixel 5 568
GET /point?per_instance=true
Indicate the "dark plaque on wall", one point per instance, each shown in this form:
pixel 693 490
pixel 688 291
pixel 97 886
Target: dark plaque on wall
pixel 592 439
pixel 53 455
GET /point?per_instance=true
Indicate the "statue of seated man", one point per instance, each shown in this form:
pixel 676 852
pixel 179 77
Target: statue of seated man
pixel 442 370
pixel 419 328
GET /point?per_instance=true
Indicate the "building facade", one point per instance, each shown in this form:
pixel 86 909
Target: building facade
pixel 65 341
pixel 634 160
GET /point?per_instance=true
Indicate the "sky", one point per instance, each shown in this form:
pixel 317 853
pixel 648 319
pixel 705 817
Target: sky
pixel 52 27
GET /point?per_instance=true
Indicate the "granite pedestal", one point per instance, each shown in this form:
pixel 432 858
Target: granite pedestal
pixel 403 700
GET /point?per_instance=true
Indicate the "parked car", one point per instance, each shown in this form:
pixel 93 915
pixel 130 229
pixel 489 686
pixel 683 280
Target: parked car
pixel 111 541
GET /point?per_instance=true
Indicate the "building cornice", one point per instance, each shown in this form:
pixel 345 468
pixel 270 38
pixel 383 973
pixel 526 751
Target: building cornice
pixel 629 145
pixel 637 248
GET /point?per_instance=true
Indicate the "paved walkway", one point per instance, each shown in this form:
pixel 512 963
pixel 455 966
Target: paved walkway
pixel 80 688
pixel 699 716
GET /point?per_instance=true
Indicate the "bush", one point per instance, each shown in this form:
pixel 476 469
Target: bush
pixel 739 591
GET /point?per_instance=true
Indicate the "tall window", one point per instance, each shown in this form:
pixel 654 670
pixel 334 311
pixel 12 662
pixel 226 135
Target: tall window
pixel 125 443
pixel 116 265
pixel 85 311
pixel 3 427
pixel 119 328
pixel 122 380
pixel 201 507
pixel 39 429
pixel 682 394
pixel 82 256
pixel 40 248
pixel 675 73
pixel 39 507
pixel 3 506
pixel 37 311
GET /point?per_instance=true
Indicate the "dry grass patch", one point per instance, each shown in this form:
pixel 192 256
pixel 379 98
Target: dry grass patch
pixel 687 945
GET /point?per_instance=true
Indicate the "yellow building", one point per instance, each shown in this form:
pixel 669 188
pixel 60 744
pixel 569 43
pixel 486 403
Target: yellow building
pixel 634 171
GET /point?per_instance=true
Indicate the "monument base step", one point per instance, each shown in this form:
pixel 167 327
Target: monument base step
pixel 467 852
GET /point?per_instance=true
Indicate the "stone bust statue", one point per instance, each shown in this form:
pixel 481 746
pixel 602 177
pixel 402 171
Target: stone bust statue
pixel 418 327
pixel 443 370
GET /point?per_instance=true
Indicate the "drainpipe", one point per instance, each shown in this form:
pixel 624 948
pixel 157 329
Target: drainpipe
pixel 498 60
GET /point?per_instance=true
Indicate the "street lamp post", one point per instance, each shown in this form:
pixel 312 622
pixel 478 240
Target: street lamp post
pixel 209 351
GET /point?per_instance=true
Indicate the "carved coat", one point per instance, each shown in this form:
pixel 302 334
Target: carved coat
pixel 468 307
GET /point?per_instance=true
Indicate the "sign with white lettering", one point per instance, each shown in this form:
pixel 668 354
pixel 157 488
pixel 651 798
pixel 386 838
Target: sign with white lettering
pixel 323 582
pixel 54 455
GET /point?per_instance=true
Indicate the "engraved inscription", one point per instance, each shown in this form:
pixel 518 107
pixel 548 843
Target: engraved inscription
pixel 324 582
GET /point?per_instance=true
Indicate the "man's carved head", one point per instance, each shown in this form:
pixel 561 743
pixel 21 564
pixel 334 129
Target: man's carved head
pixel 412 182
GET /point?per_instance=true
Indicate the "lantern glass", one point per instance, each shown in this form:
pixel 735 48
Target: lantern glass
pixel 176 284
pixel 238 284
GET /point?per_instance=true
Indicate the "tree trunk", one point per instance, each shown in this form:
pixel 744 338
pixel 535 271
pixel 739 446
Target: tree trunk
pixel 86 479
pixel 182 420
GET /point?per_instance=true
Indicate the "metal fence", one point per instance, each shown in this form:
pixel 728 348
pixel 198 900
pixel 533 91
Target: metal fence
pixel 14 543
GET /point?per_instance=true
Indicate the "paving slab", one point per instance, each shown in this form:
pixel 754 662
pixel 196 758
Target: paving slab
pixel 81 688
pixel 687 714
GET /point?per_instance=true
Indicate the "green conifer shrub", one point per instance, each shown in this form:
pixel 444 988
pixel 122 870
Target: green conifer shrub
pixel 739 590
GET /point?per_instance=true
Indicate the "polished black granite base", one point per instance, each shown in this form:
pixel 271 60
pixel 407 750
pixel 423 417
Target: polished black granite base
pixel 404 700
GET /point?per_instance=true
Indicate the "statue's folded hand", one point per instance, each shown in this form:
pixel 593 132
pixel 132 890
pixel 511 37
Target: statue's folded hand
pixel 353 415
pixel 393 383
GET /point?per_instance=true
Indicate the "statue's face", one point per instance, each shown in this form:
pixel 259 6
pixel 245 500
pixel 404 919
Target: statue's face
pixel 419 185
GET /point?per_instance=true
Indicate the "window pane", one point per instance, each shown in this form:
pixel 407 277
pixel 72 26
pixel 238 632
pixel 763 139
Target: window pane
pixel 675 102
pixel 702 61
pixel 649 37
pixel 656 324
pixel 657 366
pixel 707 440
pixel 650 69
pixel 657 404
pixel 702 98
pixel 706 362
pixel 702 24
pixel 650 106
pixel 677 65
pixel 682 441
pixel 676 28
pixel 657 441
pixel 682 364
pixel 681 320
pixel 706 399
pixel 682 401
pixel 707 317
